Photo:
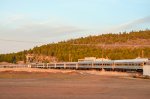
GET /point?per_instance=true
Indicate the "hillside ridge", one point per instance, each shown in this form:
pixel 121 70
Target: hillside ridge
pixel 114 46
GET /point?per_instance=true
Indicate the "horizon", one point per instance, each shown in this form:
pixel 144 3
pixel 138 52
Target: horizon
pixel 36 23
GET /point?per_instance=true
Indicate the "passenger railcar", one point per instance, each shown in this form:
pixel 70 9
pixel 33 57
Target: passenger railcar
pixel 129 64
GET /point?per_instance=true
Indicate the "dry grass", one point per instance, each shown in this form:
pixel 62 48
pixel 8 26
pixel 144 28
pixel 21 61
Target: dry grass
pixel 56 73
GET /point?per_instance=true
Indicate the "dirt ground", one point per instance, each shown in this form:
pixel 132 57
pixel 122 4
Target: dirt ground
pixel 71 85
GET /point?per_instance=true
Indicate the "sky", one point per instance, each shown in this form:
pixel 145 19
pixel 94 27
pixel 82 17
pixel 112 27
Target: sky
pixel 25 24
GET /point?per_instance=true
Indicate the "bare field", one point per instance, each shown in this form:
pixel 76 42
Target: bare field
pixel 70 84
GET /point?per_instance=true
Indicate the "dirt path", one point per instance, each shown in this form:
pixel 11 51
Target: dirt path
pixel 71 85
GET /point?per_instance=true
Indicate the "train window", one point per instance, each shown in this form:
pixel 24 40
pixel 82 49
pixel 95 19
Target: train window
pixel 117 64
pixel 131 64
pixel 98 64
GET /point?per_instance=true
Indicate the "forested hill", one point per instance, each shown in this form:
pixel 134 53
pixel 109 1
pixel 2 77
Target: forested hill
pixel 113 46
pixel 126 38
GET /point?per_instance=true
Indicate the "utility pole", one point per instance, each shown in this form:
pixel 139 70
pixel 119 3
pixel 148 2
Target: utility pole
pixel 102 52
pixel 102 55
pixel 142 54
pixel 70 57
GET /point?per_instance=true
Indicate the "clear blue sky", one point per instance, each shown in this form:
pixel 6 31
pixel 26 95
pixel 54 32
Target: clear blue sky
pixel 46 21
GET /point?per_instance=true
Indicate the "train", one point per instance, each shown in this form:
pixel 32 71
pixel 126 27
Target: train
pixel 86 64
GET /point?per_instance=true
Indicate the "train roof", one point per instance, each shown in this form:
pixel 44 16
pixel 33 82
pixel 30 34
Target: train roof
pixel 137 60
pixel 108 61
